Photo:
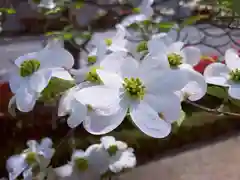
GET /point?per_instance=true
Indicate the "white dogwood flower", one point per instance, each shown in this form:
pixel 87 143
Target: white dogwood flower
pixel 120 156
pixel 34 71
pixel 164 53
pixel 39 154
pixel 131 88
pixel 85 165
pixel 226 75
pixel 144 10
pixel 81 112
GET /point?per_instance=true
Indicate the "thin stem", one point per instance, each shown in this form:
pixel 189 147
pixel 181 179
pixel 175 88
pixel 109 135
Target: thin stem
pixel 214 111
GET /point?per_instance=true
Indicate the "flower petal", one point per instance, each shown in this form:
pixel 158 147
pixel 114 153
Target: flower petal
pixel 176 47
pixel 55 56
pixel 26 57
pixel 168 105
pixel 119 41
pixel 234 91
pixel 167 81
pixel 192 55
pixel 121 145
pixel 129 67
pixel 98 124
pixel 25 100
pixel 157 44
pixel 148 121
pixel 65 103
pixel 46 143
pixel 146 9
pixel 78 154
pixel 217 73
pixel 67 100
pixel 108 141
pixel 64 171
pixel 98 158
pixel 40 79
pixel 28 174
pixel 78 115
pixel 126 159
pixel 196 86
pixel 46 149
pixel 113 61
pixel 232 59
pixel 109 79
pixel 100 97
pixel 151 63
pixel 32 145
pixel 16 81
pixel 15 166
pixel 132 19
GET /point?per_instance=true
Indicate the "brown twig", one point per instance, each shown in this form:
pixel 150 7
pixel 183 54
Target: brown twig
pixel 213 111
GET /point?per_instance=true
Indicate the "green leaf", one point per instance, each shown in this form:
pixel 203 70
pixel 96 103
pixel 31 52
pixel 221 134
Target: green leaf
pixel 67 36
pixel 177 124
pixel 235 6
pixel 192 20
pixel 166 25
pixel 181 119
pixel 217 91
pixel 236 102
pixel 55 89
pixel 85 35
pixel 8 10
pixel 134 26
pixel 51 33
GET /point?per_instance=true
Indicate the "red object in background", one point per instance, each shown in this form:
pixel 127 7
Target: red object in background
pixel 5 96
pixel 200 67
pixel 204 62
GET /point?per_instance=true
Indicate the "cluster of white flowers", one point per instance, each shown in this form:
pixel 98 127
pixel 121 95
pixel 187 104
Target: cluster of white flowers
pixel 36 157
pixel 93 163
pixel 114 83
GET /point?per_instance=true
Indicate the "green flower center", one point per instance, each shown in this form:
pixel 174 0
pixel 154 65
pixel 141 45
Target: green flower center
pixel 108 42
pixel 81 164
pixel 174 60
pixel 89 108
pixel 136 10
pixel 92 76
pixel 92 59
pixel 112 150
pixel 142 46
pixel 134 88
pixel 28 67
pixel 31 158
pixel 235 75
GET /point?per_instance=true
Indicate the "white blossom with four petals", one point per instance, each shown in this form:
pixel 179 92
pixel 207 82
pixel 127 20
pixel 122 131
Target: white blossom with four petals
pixel 53 60
pixel 226 75
pixel 42 154
pixel 120 156
pixel 162 51
pixel 85 165
pixel 157 97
